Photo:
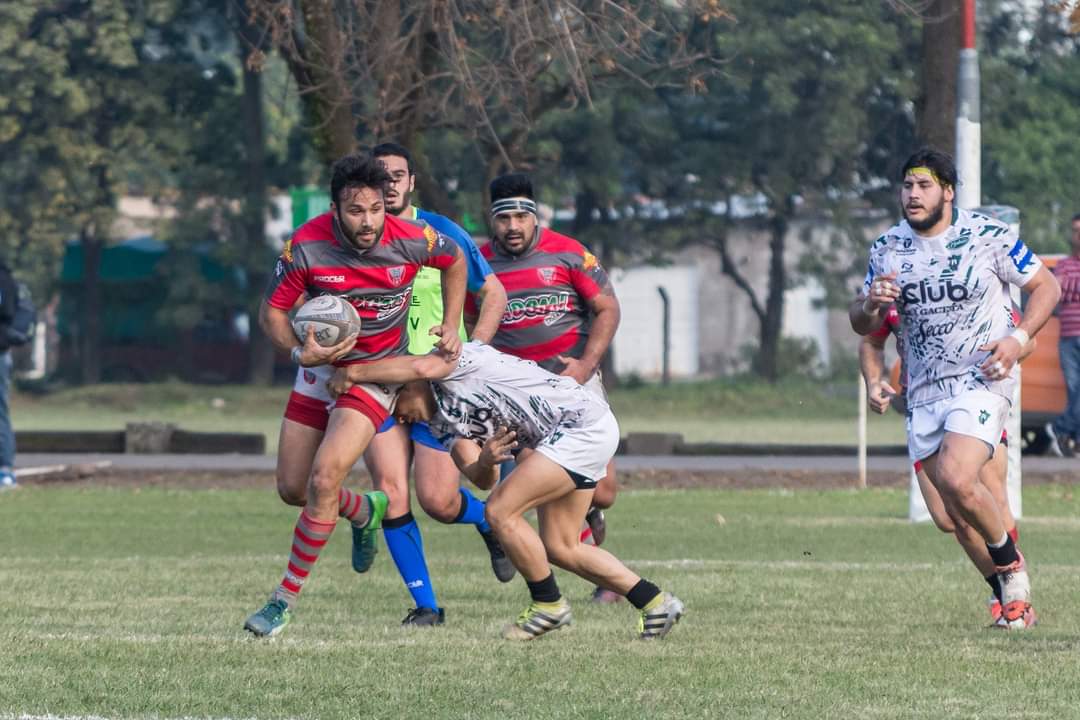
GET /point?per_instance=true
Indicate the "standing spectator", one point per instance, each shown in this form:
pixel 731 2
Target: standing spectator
pixel 9 300
pixel 1065 430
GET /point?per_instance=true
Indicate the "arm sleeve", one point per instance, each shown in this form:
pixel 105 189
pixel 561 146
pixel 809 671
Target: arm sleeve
pixel 587 275
pixel 289 279
pixel 1014 262
pixel 869 279
pixel 432 249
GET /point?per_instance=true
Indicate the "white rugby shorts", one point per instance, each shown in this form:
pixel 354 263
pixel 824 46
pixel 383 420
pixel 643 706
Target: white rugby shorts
pixel 977 413
pixel 595 385
pixel 584 450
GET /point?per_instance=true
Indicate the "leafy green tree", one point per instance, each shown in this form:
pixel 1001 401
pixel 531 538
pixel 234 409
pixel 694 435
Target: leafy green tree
pixel 236 147
pixel 790 122
pixel 75 131
pixel 1031 121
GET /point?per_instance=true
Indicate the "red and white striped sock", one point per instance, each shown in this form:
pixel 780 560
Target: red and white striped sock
pixel 309 537
pixel 354 507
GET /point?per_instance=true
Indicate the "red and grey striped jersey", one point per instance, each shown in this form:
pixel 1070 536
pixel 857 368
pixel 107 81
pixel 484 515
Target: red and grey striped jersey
pixel 547 292
pixel 318 260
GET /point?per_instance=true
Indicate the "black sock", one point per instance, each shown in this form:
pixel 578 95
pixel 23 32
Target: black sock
pixel 992 581
pixel 463 505
pixel 1004 555
pixel 544 590
pixel 398 521
pixel 642 594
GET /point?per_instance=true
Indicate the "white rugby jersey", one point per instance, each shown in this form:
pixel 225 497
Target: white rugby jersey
pixel 954 298
pixel 489 389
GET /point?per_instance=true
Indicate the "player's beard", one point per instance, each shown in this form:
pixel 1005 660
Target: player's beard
pixel 521 249
pixel 353 235
pixel 401 202
pixel 933 217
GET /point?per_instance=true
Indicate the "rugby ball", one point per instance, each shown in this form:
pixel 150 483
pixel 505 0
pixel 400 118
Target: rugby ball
pixel 333 318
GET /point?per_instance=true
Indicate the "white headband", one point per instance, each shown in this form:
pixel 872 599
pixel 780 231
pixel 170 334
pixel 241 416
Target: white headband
pixel 511 204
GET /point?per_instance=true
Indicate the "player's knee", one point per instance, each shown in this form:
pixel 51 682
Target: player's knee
pixel 943 523
pixel 560 554
pixel 604 495
pixel 442 506
pixel 954 480
pixel 396 489
pixel 291 492
pixel 497 516
pixel 325 482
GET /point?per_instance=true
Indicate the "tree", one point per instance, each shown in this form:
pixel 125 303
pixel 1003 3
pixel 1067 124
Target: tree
pixel 1031 121
pixel 790 122
pixel 935 105
pixel 232 151
pixel 75 122
pixel 488 70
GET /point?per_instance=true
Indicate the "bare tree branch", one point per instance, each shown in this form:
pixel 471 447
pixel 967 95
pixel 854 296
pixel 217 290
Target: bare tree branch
pixel 490 68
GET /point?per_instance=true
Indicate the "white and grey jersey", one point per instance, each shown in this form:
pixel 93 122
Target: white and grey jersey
pixel 954 298
pixel 489 389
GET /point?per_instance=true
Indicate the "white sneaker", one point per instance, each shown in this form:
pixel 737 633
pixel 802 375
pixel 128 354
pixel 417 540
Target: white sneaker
pixel 1055 443
pixel 1015 594
pixel 7 480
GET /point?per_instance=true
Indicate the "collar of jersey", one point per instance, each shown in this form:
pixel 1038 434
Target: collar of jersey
pixel 941 236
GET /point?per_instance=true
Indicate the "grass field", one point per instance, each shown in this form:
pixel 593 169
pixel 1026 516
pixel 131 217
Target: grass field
pixel 720 411
pixel 128 602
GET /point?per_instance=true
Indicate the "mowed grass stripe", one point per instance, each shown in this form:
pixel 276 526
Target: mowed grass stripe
pixel 128 604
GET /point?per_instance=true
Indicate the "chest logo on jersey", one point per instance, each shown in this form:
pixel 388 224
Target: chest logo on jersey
pixel 927 291
pixel 960 241
pixel 395 274
pixel 547 275
pixel 330 278
pixel 523 308
pixel 384 306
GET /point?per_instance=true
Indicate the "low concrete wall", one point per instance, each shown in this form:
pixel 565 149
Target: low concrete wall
pixel 144 438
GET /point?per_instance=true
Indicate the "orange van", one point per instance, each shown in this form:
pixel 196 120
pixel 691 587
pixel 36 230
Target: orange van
pixel 1042 386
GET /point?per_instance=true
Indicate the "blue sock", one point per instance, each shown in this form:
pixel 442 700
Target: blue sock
pixel 472 511
pixel 407 548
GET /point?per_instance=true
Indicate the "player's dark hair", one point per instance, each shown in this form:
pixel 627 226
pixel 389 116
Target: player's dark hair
pixel 388 149
pixel 941 164
pixel 1075 217
pixel 511 185
pixel 358 171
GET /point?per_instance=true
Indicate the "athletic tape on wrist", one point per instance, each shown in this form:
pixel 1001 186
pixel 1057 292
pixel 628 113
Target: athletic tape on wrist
pixel 1021 336
pixel 296 353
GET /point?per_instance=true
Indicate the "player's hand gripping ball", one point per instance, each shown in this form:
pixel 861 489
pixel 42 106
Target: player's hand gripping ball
pixel 331 317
